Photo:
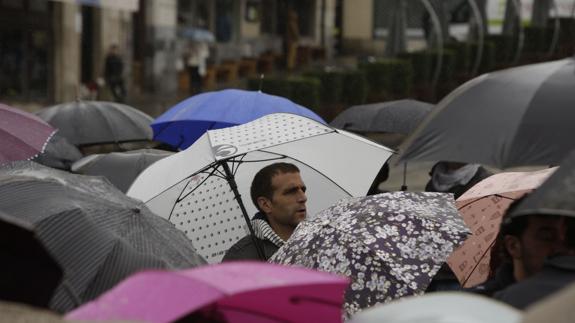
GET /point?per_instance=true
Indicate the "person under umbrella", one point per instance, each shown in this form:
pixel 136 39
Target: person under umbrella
pixel 549 216
pixel 202 189
pixel 390 244
pixel 97 235
pixel 278 192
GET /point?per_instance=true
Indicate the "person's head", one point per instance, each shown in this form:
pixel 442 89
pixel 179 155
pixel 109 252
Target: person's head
pixel 278 192
pixel 529 239
pixel 114 48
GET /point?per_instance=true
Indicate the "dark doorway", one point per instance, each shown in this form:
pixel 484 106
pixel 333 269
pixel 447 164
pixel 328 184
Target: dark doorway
pixel 87 67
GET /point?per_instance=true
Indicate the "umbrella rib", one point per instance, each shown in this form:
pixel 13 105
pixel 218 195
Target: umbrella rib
pixel 477 264
pixel 180 197
pixel 484 197
pixel 313 168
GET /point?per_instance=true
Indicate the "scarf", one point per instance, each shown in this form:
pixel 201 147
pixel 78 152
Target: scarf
pixel 264 231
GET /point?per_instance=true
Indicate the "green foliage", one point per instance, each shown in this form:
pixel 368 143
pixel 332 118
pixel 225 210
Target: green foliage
pixel 305 91
pixel 504 46
pixel 388 79
pixel 355 88
pixel 331 85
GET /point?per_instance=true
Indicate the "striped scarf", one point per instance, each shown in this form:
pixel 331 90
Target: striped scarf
pixel 264 231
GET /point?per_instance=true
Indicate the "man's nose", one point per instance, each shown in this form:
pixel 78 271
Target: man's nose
pixel 302 197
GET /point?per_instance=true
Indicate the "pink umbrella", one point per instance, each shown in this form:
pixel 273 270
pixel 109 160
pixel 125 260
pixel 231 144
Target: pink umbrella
pixel 482 208
pixel 22 134
pixel 228 292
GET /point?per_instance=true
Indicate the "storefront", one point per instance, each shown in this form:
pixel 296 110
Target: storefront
pixel 26 50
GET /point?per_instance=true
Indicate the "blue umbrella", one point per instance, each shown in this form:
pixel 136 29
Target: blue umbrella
pixel 185 122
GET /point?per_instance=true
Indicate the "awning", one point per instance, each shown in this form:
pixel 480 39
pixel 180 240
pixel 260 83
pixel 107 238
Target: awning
pixel 128 5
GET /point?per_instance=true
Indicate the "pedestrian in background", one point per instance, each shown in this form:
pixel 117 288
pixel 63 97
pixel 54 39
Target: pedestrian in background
pixel 113 73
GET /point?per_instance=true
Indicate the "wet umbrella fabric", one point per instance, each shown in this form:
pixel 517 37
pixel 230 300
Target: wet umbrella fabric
pixel 120 168
pixel 29 273
pixel 555 195
pixel 187 121
pixel 59 153
pixel 515 117
pixel 98 122
pixel 97 234
pixel 482 208
pixel 236 291
pixel 22 135
pixel 401 116
pixel 390 245
pixel 194 191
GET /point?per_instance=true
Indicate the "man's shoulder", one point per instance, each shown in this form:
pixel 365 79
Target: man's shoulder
pixel 245 249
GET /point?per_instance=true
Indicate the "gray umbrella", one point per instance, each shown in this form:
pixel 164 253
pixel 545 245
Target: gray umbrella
pixel 401 116
pixel 555 195
pixel 98 122
pixel 515 117
pixel 59 153
pixel 120 168
pixel 98 235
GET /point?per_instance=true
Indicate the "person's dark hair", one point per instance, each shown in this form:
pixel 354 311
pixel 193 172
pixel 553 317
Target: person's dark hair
pixel 262 183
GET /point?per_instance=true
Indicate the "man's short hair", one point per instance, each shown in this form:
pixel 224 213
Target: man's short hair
pixel 262 182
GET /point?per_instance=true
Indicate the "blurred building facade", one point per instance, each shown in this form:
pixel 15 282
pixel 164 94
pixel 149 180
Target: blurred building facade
pixel 54 50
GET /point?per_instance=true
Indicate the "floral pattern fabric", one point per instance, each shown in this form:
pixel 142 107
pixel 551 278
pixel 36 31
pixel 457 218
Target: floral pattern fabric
pixel 390 245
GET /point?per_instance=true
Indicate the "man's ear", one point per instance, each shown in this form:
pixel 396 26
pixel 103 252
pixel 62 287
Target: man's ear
pixel 513 246
pixel 265 204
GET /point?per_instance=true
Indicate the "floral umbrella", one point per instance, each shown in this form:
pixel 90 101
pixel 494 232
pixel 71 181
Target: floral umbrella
pixel 390 245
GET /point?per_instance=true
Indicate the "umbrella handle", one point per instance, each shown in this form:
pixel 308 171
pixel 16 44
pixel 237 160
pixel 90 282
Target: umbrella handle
pixel 404 186
pixel 234 186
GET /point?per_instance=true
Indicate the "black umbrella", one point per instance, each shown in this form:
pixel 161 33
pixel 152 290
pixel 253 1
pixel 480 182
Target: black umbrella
pixel 120 168
pixel 98 235
pixel 29 274
pixel 59 153
pixel 401 116
pixel 515 117
pixel 555 195
pixel 98 122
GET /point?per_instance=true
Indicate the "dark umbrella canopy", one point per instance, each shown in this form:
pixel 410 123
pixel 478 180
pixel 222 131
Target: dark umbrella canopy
pixel 555 196
pixel 59 153
pixel 120 168
pixel 22 135
pixel 98 235
pixel 515 117
pixel 98 122
pixel 401 116
pixel 28 273
pixel 390 245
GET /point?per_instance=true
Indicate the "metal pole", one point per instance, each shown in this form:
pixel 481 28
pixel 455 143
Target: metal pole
pixel 232 181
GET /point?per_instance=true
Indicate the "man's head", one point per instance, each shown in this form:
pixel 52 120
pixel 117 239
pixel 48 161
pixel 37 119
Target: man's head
pixel 279 192
pixel 529 239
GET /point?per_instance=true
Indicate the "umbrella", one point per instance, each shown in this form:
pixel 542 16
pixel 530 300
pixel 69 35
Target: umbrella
pixel 401 116
pixel 59 153
pixel 237 292
pixel 120 168
pixel 555 196
pixel 96 234
pixel 22 135
pixel 197 34
pixel 441 307
pixel 515 117
pixel 24 257
pixel 390 245
pixel 201 189
pixel 96 122
pixel 482 208
pixel 185 122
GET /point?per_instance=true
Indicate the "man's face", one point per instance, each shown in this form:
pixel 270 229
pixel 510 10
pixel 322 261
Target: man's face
pixel 287 206
pixel 541 238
